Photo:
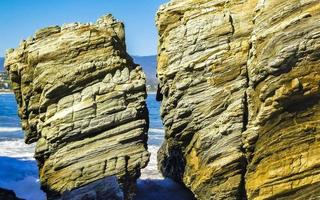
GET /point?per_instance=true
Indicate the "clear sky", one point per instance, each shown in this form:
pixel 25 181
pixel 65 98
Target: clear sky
pixel 19 19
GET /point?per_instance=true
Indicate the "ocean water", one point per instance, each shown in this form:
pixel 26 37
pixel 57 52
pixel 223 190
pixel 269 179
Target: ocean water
pixel 19 171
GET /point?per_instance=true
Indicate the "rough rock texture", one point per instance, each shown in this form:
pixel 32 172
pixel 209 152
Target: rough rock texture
pixel 283 136
pixel 106 188
pixel 82 100
pixel 240 83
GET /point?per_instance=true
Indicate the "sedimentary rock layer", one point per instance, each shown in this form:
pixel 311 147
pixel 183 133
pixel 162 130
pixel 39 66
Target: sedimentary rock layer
pixel 240 97
pixel 282 140
pixel 82 100
pixel 202 69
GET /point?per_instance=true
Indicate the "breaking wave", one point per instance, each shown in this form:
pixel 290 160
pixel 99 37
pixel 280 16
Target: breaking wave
pixel 10 129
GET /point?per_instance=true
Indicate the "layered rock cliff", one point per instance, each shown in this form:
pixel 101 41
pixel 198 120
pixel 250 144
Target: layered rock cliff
pixel 239 82
pixel 82 100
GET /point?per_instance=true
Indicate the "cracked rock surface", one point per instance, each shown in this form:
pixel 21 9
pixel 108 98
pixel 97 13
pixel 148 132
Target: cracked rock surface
pixel 239 82
pixel 82 100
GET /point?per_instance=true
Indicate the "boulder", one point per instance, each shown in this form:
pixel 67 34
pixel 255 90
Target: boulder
pixel 82 100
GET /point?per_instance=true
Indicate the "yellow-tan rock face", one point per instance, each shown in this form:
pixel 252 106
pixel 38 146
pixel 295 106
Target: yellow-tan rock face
pixel 283 133
pixel 240 97
pixel 82 99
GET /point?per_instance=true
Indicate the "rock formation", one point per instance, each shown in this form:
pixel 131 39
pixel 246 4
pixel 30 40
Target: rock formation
pixel 239 82
pixel 8 195
pixel 82 100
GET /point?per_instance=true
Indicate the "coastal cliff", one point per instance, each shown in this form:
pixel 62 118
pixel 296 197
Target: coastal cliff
pixel 239 84
pixel 82 100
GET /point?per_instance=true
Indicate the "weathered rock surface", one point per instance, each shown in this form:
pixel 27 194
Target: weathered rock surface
pixel 282 140
pixel 82 100
pixel 107 188
pixel 240 97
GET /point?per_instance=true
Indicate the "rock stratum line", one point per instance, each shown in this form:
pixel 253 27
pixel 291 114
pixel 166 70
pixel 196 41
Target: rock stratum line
pixel 239 81
pixel 82 100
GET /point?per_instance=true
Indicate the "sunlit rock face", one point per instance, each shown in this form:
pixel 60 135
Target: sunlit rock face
pixel 239 82
pixel 282 139
pixel 82 100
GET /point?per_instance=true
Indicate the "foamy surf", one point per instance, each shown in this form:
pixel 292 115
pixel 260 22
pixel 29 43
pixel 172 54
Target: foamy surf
pixel 156 130
pixel 151 171
pixel 10 129
pixel 16 148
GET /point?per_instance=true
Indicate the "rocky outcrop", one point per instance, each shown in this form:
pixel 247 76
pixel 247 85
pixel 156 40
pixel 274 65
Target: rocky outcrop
pixel 8 195
pixel 282 140
pixel 239 82
pixel 203 82
pixel 82 100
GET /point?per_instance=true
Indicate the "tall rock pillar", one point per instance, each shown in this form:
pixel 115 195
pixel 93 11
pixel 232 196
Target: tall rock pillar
pixel 82 100
pixel 239 82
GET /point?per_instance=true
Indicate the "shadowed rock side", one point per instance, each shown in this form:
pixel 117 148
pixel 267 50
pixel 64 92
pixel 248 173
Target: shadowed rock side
pixel 82 100
pixel 239 82
pixel 8 195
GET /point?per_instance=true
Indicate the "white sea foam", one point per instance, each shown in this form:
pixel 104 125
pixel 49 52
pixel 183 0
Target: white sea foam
pixel 16 149
pixel 10 129
pixel 156 130
pixel 151 171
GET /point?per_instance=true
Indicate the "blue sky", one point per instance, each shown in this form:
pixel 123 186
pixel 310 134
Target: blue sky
pixel 19 19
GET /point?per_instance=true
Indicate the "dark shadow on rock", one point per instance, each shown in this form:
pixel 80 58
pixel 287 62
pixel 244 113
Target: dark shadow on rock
pixel 8 195
pixel 161 189
pixel 100 189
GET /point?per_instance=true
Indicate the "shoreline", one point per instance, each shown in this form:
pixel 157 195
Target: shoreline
pixel 152 92
pixel 6 92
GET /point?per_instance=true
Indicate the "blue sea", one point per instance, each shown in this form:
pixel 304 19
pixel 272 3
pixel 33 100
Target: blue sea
pixel 19 172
